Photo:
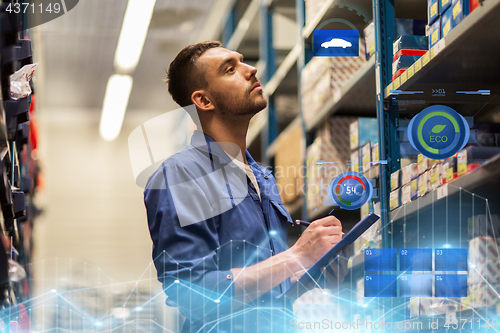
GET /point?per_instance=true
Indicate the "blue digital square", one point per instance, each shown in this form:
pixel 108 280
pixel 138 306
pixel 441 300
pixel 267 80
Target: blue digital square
pixel 451 285
pixel 415 285
pixel 379 260
pixel 336 43
pixel 451 260
pixel 415 260
pixel 381 285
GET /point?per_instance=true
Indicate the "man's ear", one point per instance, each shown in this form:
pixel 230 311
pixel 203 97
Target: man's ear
pixel 202 100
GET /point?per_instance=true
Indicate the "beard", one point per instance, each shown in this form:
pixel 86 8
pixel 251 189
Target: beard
pixel 235 108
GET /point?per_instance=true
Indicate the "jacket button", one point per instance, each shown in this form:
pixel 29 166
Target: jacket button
pixel 229 276
pixel 266 177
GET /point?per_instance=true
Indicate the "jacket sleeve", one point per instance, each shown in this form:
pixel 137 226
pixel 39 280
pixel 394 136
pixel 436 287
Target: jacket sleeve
pixel 185 257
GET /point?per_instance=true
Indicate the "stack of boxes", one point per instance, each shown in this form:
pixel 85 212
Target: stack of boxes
pixel 407 49
pixel 363 135
pixel 324 77
pixel 484 268
pixel 315 85
pixel 371 238
pixel 417 179
pixel 444 15
pixel 330 145
pixel 312 7
pixel 289 162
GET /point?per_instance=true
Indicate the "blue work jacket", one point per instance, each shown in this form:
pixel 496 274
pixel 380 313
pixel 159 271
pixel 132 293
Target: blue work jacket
pixel 205 218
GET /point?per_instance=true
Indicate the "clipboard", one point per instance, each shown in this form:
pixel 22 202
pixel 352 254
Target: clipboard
pixel 314 273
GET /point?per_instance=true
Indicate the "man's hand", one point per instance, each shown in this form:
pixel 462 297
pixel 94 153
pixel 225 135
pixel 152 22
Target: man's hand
pixel 316 240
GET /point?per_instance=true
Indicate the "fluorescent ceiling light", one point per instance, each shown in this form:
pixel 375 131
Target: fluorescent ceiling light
pixel 114 106
pixel 133 34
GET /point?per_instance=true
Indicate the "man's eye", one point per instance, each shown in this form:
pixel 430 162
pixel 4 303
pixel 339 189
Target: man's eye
pixel 230 70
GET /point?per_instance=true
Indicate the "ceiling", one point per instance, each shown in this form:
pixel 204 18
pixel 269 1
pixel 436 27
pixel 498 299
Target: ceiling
pixel 76 53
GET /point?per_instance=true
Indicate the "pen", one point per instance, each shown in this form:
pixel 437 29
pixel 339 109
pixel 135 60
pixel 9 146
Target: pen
pixel 306 224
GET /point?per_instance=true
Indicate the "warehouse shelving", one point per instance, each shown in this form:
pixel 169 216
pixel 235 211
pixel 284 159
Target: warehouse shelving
pixel 462 61
pixel 291 58
pixel 483 182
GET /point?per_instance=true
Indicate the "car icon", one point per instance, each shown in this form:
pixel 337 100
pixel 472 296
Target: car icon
pixel 336 42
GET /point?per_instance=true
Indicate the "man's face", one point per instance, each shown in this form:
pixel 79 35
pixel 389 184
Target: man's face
pixel 233 84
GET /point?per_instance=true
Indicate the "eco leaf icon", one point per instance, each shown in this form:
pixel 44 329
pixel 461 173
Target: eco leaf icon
pixel 438 128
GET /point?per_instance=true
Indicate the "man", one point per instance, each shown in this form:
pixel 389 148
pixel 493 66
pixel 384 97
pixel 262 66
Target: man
pixel 217 222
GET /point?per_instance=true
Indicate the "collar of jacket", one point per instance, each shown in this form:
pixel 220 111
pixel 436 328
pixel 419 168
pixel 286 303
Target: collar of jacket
pixel 207 146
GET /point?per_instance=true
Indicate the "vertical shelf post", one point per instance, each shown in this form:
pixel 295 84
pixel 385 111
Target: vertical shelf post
pixel 384 15
pixel 267 55
pixel 301 60
pixel 228 30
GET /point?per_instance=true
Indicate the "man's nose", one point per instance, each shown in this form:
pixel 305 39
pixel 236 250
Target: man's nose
pixel 252 71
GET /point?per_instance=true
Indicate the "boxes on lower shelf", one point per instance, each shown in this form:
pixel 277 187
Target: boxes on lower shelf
pixel 330 145
pixel 436 175
pixel 290 156
pixel 408 42
pixel 449 169
pixel 434 33
pixel 407 173
pixel 405 194
pixel 423 164
pixel 483 248
pixel 395 180
pixel 482 295
pixel 395 199
pixel 402 63
pixel 470 158
pixel 363 130
pixel 424 185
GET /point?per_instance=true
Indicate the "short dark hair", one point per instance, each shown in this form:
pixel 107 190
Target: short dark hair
pixel 182 78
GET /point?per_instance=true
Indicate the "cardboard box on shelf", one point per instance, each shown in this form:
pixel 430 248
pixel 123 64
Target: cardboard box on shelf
pixel 460 9
pixel 483 295
pixel 402 63
pixel 289 161
pixel 405 194
pixel 483 248
pixel 422 164
pixel 414 188
pixel 444 5
pixel 395 199
pixel 369 42
pixel 436 176
pixel 408 42
pixel 362 131
pixel 395 180
pixel 354 161
pixel 470 158
pixel 330 145
pixel 424 186
pixel 485 272
pixel 434 33
pixel 375 152
pixel 432 11
pixel 407 173
pixel 366 155
pixel 449 170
